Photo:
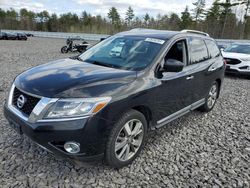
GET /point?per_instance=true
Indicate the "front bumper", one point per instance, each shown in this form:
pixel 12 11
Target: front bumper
pixel 89 132
pixel 230 69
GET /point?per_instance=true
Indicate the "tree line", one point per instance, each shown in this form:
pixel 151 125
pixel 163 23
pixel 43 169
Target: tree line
pixel 219 20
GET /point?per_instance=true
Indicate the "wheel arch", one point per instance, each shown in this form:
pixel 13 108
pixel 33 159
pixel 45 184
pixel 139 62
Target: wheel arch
pixel 219 86
pixel 146 111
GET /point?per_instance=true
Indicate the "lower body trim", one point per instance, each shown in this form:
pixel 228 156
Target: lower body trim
pixel 180 113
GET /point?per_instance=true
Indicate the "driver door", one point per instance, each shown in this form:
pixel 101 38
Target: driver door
pixel 173 94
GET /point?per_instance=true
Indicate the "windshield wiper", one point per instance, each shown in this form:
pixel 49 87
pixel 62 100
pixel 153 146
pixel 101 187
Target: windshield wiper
pixel 104 64
pixel 76 58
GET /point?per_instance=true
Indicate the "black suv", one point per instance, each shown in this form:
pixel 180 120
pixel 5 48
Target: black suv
pixel 103 103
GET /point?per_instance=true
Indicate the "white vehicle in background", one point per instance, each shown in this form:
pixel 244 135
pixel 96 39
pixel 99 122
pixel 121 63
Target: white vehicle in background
pixel 237 57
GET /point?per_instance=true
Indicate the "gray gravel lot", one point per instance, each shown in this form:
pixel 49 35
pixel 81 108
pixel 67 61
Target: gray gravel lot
pixel 198 150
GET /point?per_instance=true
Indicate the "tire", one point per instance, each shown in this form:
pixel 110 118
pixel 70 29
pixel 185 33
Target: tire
pixel 64 49
pixel 211 98
pixel 81 50
pixel 122 151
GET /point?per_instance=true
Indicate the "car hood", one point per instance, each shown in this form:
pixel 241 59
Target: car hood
pixel 235 55
pixel 73 78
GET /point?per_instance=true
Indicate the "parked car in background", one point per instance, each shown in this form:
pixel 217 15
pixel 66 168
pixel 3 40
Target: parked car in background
pixel 237 57
pixel 8 36
pixel 223 45
pixel 11 36
pixel 29 35
pixel 21 36
pixel 2 35
pixel 102 104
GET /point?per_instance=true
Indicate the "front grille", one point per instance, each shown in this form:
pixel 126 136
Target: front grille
pixel 232 61
pixel 30 103
pixel 244 67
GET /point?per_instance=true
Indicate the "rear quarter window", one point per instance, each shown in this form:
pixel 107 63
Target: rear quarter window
pixel 212 49
pixel 198 50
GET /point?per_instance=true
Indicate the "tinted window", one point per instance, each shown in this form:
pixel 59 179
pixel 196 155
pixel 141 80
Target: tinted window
pixel 212 48
pixel 177 51
pixel 198 50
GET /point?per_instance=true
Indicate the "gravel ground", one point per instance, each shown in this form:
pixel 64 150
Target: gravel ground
pixel 198 150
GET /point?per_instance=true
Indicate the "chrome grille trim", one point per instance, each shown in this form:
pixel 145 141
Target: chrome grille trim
pixel 12 108
pixel 39 110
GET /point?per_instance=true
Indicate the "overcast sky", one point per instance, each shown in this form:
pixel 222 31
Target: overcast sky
pixel 153 7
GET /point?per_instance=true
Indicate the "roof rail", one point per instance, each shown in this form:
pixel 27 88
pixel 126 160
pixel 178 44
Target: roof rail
pixel 142 29
pixel 195 32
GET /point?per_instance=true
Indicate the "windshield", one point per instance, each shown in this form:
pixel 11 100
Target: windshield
pixel 124 52
pixel 239 48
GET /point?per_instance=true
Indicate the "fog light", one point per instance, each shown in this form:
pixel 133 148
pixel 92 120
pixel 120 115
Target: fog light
pixel 72 147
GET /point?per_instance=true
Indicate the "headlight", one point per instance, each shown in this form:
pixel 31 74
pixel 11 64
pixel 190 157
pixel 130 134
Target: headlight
pixel 70 108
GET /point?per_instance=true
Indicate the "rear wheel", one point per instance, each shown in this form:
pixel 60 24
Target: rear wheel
pixel 64 49
pixel 126 139
pixel 211 98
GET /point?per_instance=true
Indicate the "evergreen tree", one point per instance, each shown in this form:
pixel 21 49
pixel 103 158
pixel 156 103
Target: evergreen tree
pixel 129 15
pixel 11 19
pixel 214 12
pixel 213 19
pixel 247 8
pixel 2 18
pixel 146 18
pixel 220 21
pixel 199 10
pixel 186 19
pixel 174 22
pixel 226 11
pixel 114 16
pixel 53 23
pixel 86 18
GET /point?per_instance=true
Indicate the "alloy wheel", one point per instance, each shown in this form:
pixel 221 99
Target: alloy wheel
pixel 212 96
pixel 129 140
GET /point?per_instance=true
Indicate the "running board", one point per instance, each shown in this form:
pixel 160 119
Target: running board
pixel 179 113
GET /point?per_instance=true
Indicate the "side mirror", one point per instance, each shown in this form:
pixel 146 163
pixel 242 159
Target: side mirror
pixel 173 65
pixel 103 38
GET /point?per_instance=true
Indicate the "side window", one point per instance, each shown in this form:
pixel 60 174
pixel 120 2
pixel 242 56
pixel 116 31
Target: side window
pixel 212 48
pixel 178 51
pixel 198 50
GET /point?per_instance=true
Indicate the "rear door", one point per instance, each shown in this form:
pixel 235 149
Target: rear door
pixel 216 63
pixel 198 65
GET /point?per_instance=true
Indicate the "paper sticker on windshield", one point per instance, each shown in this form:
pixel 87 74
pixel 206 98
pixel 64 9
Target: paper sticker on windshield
pixel 157 41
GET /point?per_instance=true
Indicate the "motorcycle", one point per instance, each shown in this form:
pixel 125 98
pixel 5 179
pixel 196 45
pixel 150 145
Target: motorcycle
pixel 71 47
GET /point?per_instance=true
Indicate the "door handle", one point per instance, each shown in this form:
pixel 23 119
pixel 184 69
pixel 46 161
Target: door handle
pixel 190 77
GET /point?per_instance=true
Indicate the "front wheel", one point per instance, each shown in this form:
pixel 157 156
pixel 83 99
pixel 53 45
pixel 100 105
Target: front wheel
pixel 64 49
pixel 211 98
pixel 126 139
pixel 81 49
